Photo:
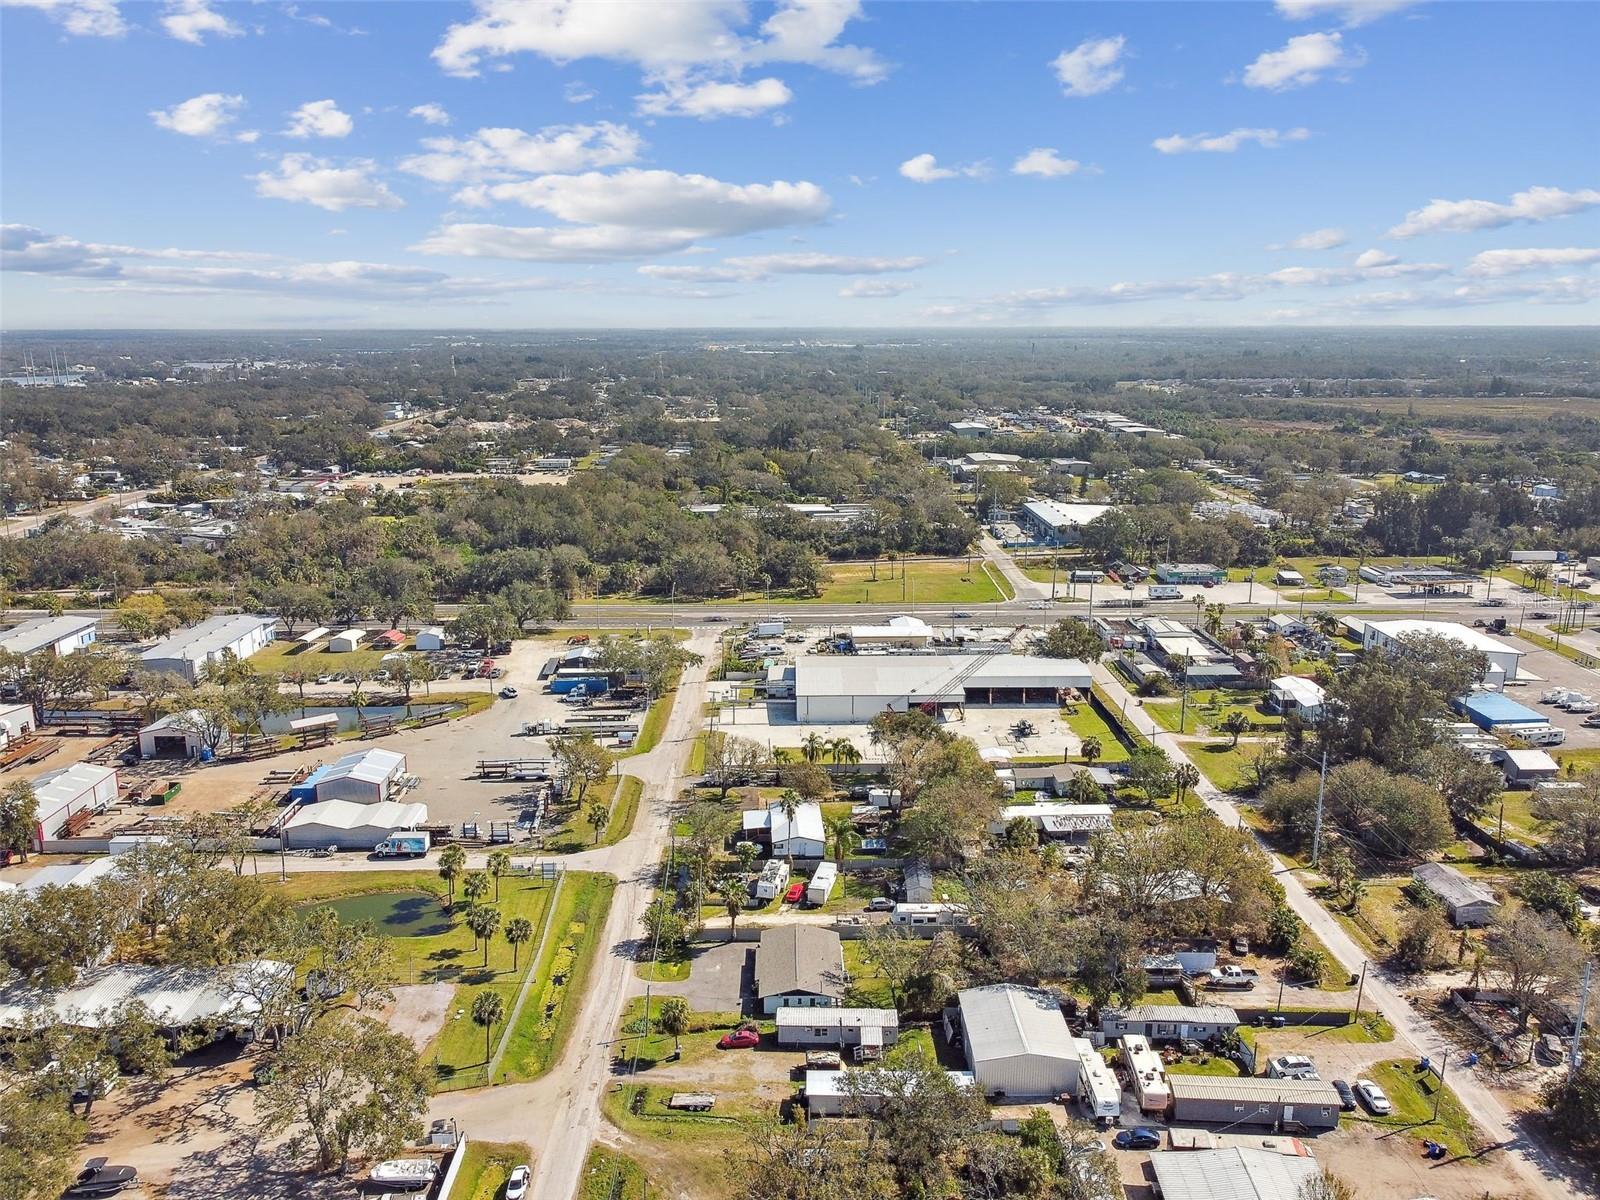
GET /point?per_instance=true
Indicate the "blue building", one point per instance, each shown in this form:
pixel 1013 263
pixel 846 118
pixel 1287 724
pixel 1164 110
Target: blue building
pixel 1492 710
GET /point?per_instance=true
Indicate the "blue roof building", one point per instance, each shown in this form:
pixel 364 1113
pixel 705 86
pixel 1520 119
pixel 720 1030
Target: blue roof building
pixel 1492 710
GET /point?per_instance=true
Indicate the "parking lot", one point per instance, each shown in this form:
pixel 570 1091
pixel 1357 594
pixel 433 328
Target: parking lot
pixel 774 724
pixel 722 978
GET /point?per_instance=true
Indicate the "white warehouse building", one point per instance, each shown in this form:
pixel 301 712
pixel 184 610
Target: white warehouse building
pixel 846 688
pixel 190 650
pixel 365 777
pixel 1503 656
pixel 1017 1042
pixel 348 825
pixel 57 635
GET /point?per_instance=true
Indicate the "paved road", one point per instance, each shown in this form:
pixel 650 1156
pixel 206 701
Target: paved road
pixel 1414 1034
pixel 19 526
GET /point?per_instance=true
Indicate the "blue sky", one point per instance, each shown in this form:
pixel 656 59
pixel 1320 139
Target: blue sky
pixel 811 162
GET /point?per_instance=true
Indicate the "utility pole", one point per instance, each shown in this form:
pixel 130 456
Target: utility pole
pixel 1583 1011
pixel 1322 787
pixel 1444 1061
pixel 1360 987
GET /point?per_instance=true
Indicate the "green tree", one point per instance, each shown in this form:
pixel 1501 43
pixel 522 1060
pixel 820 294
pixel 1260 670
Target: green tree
pixel 19 818
pixel 484 921
pixel 582 761
pixel 672 1018
pixel 488 1010
pixel 452 862
pixel 1185 775
pixel 1572 1099
pixel 499 864
pixel 1150 770
pixel 1091 749
pixel 842 835
pixel 1235 724
pixel 1070 637
pixel 518 931
pixel 475 887
pixel 598 816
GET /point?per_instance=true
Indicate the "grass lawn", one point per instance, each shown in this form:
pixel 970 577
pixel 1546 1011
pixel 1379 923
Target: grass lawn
pixel 1412 1094
pixel 925 581
pixel 1581 760
pixel 611 1175
pixel 621 793
pixel 697 756
pixel 650 1047
pixel 1315 596
pixel 1086 722
pixel 1565 649
pixel 654 724
pixel 487 1164
pixel 1214 1065
pixel 664 971
pixel 1383 909
pixel 564 963
pixel 280 657
pixel 1227 767
pixel 1516 808
pixel 869 987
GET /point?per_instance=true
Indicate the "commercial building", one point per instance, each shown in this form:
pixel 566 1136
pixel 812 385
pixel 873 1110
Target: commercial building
pixel 1017 1042
pixel 189 651
pixel 62 793
pixel 873 1028
pixel 1526 768
pixel 1466 902
pixel 55 635
pixel 1194 574
pixel 971 428
pixel 348 825
pixel 1284 1104
pixel 1502 657
pixel 1171 1022
pixel 1057 524
pixel 1295 694
pixel 1493 711
pixel 799 966
pixel 365 777
pixel 846 689
pixel 177 998
pixel 800 837
pixel 1233 1173
pixel 901 632
pixel 16 721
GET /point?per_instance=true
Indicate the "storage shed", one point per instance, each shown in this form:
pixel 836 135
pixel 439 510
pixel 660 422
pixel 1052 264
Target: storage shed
pixel 1274 1103
pixel 68 790
pixel 344 643
pixel 431 638
pixel 1524 768
pixel 1017 1042
pixel 1467 903
pixel 350 826
pixel 176 735
pixel 365 777
pixel 16 720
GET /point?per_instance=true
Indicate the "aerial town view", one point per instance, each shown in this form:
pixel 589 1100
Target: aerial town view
pixel 799 600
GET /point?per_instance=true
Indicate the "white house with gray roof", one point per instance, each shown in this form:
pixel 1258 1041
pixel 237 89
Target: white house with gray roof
pixel 1468 903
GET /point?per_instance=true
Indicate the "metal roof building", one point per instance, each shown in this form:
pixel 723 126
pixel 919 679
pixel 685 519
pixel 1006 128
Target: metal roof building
pixel 1467 903
pixel 366 777
pixel 1502 657
pixel 60 635
pixel 1237 1173
pixel 1276 1103
pixel 188 651
pixel 1491 710
pixel 799 966
pixel 1017 1042
pixel 176 997
pixel 846 689
pixel 348 825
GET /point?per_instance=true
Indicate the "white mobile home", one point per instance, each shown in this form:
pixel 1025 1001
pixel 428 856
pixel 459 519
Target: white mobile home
pixel 874 1028
pixel 189 651
pixel 837 1094
pixel 930 917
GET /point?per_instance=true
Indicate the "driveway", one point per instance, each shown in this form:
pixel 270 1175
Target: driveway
pixel 721 980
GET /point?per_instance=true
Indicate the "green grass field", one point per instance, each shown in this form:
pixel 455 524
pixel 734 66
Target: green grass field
pixel 1412 1094
pixel 611 1175
pixel 1227 767
pixel 564 962
pixel 869 987
pixel 1207 710
pixel 1086 722
pixel 923 581
pixel 621 793
pixel 1215 1065
pixel 483 1173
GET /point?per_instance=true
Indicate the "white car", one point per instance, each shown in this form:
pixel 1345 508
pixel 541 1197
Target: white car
pixel 1373 1097
pixel 1292 1066
pixel 517 1183
pixel 1579 704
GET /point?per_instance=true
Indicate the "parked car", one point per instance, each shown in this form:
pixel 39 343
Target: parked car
pixel 1347 1098
pixel 98 1179
pixel 795 894
pixel 1142 1138
pixel 517 1183
pixel 1373 1097
pixel 508 693
pixel 880 904
pixel 1293 1066
pixel 716 619
pixel 739 1039
pixel 1592 720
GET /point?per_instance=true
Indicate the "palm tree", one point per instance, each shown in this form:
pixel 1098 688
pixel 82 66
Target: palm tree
pixel 673 1019
pixel 812 747
pixel 844 751
pixel 452 861
pixel 1185 776
pixel 597 817
pixel 517 931
pixel 842 836
pixel 1091 749
pixel 788 804
pixel 475 887
pixel 488 1010
pixel 1234 724
pixel 483 921
pixel 499 864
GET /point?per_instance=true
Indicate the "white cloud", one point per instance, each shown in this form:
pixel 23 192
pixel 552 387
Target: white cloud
pixel 577 93
pixel 627 214
pixel 1317 239
pixel 191 20
pixel 1376 258
pixel 1091 67
pixel 304 179
pixel 1045 162
pixel 1302 61
pixel 430 114
pixel 875 289
pixel 201 116
pixel 1494 263
pixel 319 118
pixel 26 248
pixel 1351 12
pixel 495 154
pixel 712 99
pixel 756 267
pixel 663 39
pixel 1227 143
pixel 924 168
pixel 1465 216
pixel 83 18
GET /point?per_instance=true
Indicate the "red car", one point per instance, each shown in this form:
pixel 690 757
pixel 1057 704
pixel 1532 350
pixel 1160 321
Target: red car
pixel 739 1039
pixel 794 894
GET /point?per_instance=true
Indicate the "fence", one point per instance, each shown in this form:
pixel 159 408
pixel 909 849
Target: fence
pixel 1326 1018
pixel 1121 728
pixel 457 1157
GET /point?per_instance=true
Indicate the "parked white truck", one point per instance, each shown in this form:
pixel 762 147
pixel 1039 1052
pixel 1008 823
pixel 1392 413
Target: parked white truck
pixel 1231 978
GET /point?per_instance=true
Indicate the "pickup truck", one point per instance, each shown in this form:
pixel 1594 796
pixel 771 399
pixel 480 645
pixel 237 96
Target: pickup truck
pixel 1230 978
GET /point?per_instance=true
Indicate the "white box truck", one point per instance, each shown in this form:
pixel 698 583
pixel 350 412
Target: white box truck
pixel 770 628
pixel 405 845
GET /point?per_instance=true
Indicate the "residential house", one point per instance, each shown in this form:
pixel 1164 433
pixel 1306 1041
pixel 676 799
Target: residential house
pixel 799 966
